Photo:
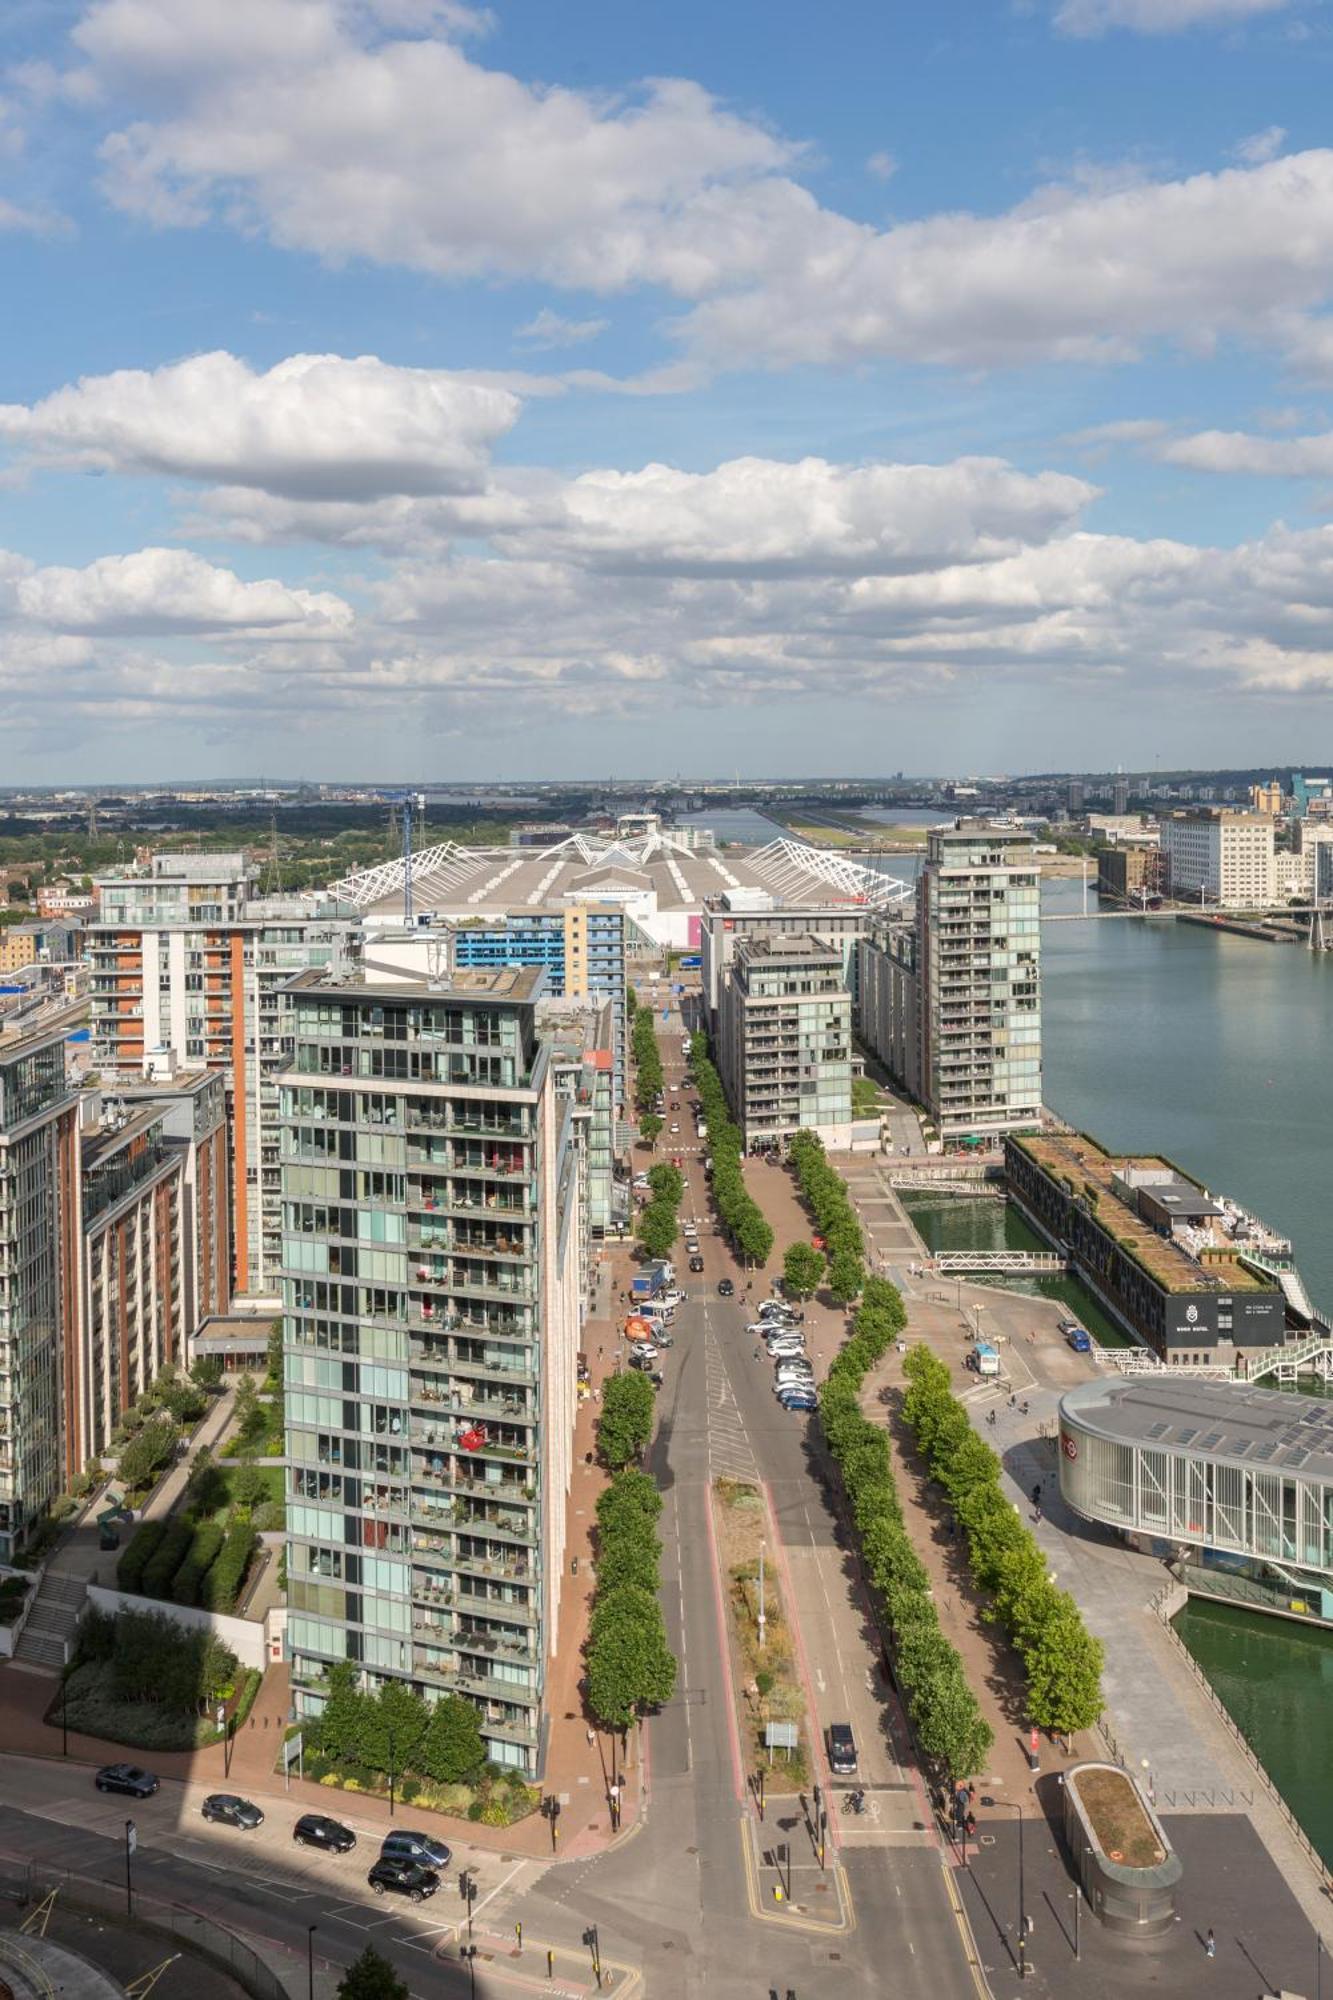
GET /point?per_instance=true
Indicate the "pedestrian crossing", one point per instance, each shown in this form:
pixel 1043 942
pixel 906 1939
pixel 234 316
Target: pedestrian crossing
pixel 730 1453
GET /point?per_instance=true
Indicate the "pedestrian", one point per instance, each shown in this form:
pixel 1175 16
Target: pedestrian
pixel 1210 1945
pixel 592 1737
pixel 1012 1400
pixel 1036 1494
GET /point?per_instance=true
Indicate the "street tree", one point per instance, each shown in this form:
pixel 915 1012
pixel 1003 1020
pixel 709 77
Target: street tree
pixel 845 1278
pixel 625 1424
pixel 452 1750
pixel 802 1269
pixel 650 1127
pixel 371 1977
pixel 656 1228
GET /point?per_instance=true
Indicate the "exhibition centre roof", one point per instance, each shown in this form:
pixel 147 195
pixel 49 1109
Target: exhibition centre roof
pixel 1236 1422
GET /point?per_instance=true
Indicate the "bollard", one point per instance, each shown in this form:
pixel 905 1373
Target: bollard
pixel 550 1964
pixel 518 1933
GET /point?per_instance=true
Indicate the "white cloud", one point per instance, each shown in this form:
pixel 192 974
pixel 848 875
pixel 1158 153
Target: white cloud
pixel 335 134
pixel 1261 146
pixel 313 425
pixel 160 591
pixel 1157 17
pixel 1122 430
pixel 551 329
pixel 1243 451
pixel 882 165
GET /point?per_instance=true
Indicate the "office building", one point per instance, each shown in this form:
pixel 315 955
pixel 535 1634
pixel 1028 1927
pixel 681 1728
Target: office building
pixel 39 1275
pixel 1120 796
pixel 1130 873
pixel 581 947
pixel 133 1293
pixel 784 1041
pixel 1219 857
pixel 1074 797
pixel 431 1231
pixel 978 967
pixel 186 957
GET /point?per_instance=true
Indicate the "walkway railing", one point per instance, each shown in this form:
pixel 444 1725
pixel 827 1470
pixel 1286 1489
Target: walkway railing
pixel 949 1261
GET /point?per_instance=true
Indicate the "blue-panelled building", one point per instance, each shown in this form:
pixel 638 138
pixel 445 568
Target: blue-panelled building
pixel 581 947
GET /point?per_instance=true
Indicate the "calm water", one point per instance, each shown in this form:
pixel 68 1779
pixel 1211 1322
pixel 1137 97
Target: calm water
pixel 1275 1680
pixel 740 823
pixel 1166 1038
pixel 950 1222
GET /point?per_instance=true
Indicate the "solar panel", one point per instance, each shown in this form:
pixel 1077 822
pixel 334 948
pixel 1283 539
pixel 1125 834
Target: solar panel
pixel 1294 1458
pixel 1157 1430
pixel 1264 1450
pixel 1211 1442
pixel 1190 1432
pixel 1239 1446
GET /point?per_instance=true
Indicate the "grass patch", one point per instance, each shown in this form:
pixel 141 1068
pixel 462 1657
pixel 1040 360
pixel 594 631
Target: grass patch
pixel 770 1686
pixel 867 1098
pixel 1121 1825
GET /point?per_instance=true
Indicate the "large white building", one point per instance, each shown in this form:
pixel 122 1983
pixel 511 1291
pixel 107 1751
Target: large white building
pixel 1221 858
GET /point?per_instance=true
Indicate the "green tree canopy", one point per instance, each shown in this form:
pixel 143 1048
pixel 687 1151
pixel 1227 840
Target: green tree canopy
pixel 625 1424
pixel 371 1977
pixel 452 1751
pixel 802 1269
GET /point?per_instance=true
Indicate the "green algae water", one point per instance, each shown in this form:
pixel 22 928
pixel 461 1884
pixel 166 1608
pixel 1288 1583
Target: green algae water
pixel 1275 1680
pixel 952 1222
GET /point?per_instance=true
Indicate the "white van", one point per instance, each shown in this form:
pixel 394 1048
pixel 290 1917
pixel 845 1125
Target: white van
pixel 655 1309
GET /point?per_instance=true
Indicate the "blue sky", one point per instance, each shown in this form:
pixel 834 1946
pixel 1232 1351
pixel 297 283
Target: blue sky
pixel 394 388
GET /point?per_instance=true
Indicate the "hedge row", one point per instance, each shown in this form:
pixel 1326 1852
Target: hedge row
pixel 741 1215
pixel 186 1585
pixel 648 1077
pixel 167 1557
pixel 143 1545
pixel 1061 1659
pixel 827 1199
pixel 222 1585
pixel 946 1715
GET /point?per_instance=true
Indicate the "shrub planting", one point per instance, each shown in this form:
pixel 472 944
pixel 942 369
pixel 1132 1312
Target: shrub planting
pixel 167 1558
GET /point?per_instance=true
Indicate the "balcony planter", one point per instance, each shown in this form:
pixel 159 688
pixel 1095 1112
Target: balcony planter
pixel 1120 1852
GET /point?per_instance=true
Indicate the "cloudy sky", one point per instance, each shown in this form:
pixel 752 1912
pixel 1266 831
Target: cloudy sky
pixel 404 388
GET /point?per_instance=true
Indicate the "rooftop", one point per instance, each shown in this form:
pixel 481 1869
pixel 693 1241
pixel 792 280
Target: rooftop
pixel 1090 1174
pixel 1232 1421
pixel 493 982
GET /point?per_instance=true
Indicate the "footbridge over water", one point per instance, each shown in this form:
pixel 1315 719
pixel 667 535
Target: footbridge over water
pixel 949 1262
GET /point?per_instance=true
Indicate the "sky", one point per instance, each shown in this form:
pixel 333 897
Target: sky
pixel 413 390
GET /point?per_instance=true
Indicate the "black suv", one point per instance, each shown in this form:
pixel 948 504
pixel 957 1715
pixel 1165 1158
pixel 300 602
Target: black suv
pixel 126 1778
pixel 726 1288
pixel 226 1809
pixel 408 1878
pixel 841 1750
pixel 317 1830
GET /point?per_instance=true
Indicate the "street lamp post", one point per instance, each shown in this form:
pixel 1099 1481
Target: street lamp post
pixel 310 1961
pixel 393 1773
pixel 64 1703
pixel 131 1842
pixel 762 1616
pixel 759 1790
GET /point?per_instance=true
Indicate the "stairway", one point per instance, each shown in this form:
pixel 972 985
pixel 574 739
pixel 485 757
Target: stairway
pixel 52 1620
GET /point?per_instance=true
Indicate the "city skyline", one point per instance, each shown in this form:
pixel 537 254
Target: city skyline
pixel 933 392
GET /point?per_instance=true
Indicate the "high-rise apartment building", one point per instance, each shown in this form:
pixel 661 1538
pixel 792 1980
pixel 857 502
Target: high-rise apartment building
pixel 193 1105
pixel 784 1041
pixel 741 913
pixel 133 1295
pixel 979 951
pixel 1221 857
pixel 39 1276
pixel 430 1189
pixel 580 945
pixel 187 958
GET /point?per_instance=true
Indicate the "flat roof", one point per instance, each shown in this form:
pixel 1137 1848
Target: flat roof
pixel 1081 1162
pixel 1236 1423
pixel 485 982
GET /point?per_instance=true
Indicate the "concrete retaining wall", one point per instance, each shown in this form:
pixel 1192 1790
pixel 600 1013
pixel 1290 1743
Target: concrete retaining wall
pixel 242 1635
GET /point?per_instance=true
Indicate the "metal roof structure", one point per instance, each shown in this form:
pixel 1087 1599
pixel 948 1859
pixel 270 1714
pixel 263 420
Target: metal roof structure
pixel 1234 1423
pixel 453 880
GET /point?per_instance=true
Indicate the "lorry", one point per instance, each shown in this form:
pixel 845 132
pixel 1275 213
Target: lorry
pixel 652 1279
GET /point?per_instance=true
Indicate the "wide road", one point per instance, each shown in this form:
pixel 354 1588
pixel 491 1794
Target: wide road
pixel 677 1892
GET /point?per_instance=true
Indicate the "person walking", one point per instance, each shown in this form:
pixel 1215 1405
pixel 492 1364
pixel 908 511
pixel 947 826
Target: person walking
pixel 1210 1945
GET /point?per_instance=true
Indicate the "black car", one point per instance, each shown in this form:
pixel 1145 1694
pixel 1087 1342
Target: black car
pixel 696 1263
pixel 841 1750
pixel 726 1288
pixel 406 1878
pixel 226 1809
pixel 126 1778
pixel 317 1830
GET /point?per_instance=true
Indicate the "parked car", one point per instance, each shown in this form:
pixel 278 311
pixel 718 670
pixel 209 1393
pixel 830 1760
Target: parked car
pixel 794 1368
pixel 726 1288
pixel 329 1835
pixel 799 1399
pixel 671 1299
pixel 227 1809
pixel 675 1129
pixel 640 1359
pixel 407 1878
pixel 404 1844
pixel 800 1385
pixel 785 1343
pixel 1078 1338
pixel 841 1745
pixel 696 1262
pixel 128 1778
